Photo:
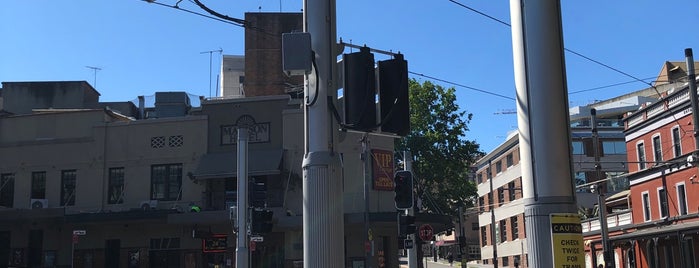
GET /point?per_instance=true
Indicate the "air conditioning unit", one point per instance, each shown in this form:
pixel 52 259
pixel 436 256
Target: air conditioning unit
pixel 149 204
pixel 38 203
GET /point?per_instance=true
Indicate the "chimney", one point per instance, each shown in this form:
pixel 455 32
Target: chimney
pixel 141 107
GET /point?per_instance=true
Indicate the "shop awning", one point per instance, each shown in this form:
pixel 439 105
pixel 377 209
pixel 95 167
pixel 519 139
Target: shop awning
pixel 224 165
pixel 660 230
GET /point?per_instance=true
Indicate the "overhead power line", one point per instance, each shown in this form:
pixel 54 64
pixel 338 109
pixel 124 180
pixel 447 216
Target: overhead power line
pixel 566 49
pixel 460 85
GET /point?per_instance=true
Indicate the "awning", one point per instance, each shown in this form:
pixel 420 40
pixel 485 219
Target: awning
pixel 225 165
pixel 660 230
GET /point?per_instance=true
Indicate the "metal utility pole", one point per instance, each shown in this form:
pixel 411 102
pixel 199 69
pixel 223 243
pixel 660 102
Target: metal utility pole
pixel 491 207
pixel 210 65
pixel 94 70
pixel 601 192
pixel 323 214
pixel 693 95
pixel 543 122
pixel 412 252
pixel 242 253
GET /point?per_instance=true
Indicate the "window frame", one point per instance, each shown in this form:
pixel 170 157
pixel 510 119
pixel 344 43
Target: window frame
pixel 498 167
pixel 681 199
pixel 663 207
pixel 38 185
pixel 676 141
pixel 647 209
pixel 510 160
pixel 168 183
pixel 68 187
pixel 116 181
pixel 657 142
pixel 514 227
pixel 641 155
pixel 7 193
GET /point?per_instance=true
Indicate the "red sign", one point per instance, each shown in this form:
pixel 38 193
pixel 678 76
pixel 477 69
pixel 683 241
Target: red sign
pixel 75 238
pixel 216 243
pixel 382 169
pixel 253 245
pixel 426 232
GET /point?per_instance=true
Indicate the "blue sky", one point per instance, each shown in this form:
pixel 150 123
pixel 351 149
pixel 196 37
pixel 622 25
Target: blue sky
pixel 143 48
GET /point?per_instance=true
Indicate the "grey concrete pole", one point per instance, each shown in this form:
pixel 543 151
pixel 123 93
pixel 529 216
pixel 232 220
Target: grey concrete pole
pixel 323 213
pixel 242 252
pixel 543 121
pixel 412 252
pixel 689 57
pixel 493 239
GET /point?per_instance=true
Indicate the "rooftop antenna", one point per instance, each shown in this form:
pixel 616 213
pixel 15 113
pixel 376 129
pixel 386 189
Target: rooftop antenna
pixel 94 70
pixel 211 52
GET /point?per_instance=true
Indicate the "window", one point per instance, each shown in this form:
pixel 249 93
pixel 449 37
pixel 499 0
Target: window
pixel 676 142
pixel 7 190
pixel 498 167
pixel 481 203
pixel 474 226
pixel 514 227
pixel 681 199
pixel 166 181
pixel 511 190
pixel 641 154
pixel 646 206
pixel 501 196
pixel 614 147
pixel 657 149
pixel 503 230
pixel 116 186
pixel 497 233
pixel 662 202
pixel 68 187
pixel 488 174
pixel 484 236
pixel 580 179
pixel 479 177
pixel 510 160
pixel 38 185
pixel 505 261
pixel 578 148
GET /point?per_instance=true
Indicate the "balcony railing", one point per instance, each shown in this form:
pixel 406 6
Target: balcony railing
pixel 613 220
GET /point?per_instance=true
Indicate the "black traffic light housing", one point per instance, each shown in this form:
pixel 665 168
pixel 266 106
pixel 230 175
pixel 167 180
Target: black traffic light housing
pixel 406 225
pixel 261 221
pixel 403 181
pixel 359 91
pixel 393 96
pixel 258 194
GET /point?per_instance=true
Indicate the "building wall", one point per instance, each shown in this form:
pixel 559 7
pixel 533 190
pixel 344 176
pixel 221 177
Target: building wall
pixel 22 97
pixel 232 72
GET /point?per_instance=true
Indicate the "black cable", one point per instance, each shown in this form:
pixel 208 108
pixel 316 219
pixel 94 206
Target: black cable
pixel 607 86
pixel 219 15
pixel 195 13
pixel 460 85
pixel 566 49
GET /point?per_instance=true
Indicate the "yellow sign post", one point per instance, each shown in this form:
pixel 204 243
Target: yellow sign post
pixel 567 239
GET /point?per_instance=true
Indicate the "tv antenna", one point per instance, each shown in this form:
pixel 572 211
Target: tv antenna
pixel 211 52
pixel 94 70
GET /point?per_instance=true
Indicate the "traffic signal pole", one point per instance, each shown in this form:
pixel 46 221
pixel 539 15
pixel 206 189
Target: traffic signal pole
pixel 543 122
pixel 412 252
pixel 323 213
pixel 242 252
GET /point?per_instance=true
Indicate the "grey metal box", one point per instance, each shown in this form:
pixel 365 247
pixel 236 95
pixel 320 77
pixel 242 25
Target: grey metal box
pixel 296 53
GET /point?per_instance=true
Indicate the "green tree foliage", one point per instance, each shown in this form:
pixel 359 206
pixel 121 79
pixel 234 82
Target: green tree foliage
pixel 441 153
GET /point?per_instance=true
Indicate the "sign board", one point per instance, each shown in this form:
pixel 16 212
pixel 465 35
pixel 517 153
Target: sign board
pixel 426 232
pixel 567 241
pixel 408 244
pixel 216 243
pixel 382 170
pixel 257 239
pixel 79 232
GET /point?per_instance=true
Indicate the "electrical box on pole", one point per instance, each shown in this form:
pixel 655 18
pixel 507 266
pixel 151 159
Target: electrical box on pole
pixel 403 188
pixel 393 96
pixel 258 194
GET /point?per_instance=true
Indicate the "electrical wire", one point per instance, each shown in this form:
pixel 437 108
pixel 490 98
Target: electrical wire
pixel 460 85
pixel 176 6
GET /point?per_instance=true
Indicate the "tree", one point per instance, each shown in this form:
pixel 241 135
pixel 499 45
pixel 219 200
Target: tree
pixel 442 156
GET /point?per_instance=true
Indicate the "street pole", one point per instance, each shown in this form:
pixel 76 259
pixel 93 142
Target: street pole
pixel 601 192
pixel 543 122
pixel 492 216
pixel 412 252
pixel 323 215
pixel 242 252
pixel 365 167
pixel 689 58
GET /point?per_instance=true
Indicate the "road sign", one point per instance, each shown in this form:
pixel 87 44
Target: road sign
pixel 567 240
pixel 79 232
pixel 426 232
pixel 253 245
pixel 408 244
pixel 257 239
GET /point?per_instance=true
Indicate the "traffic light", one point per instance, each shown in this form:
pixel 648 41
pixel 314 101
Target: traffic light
pixel 393 96
pixel 359 91
pixel 261 221
pixel 404 189
pixel 258 194
pixel 406 225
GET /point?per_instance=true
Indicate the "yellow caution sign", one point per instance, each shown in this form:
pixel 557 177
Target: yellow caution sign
pixel 567 239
